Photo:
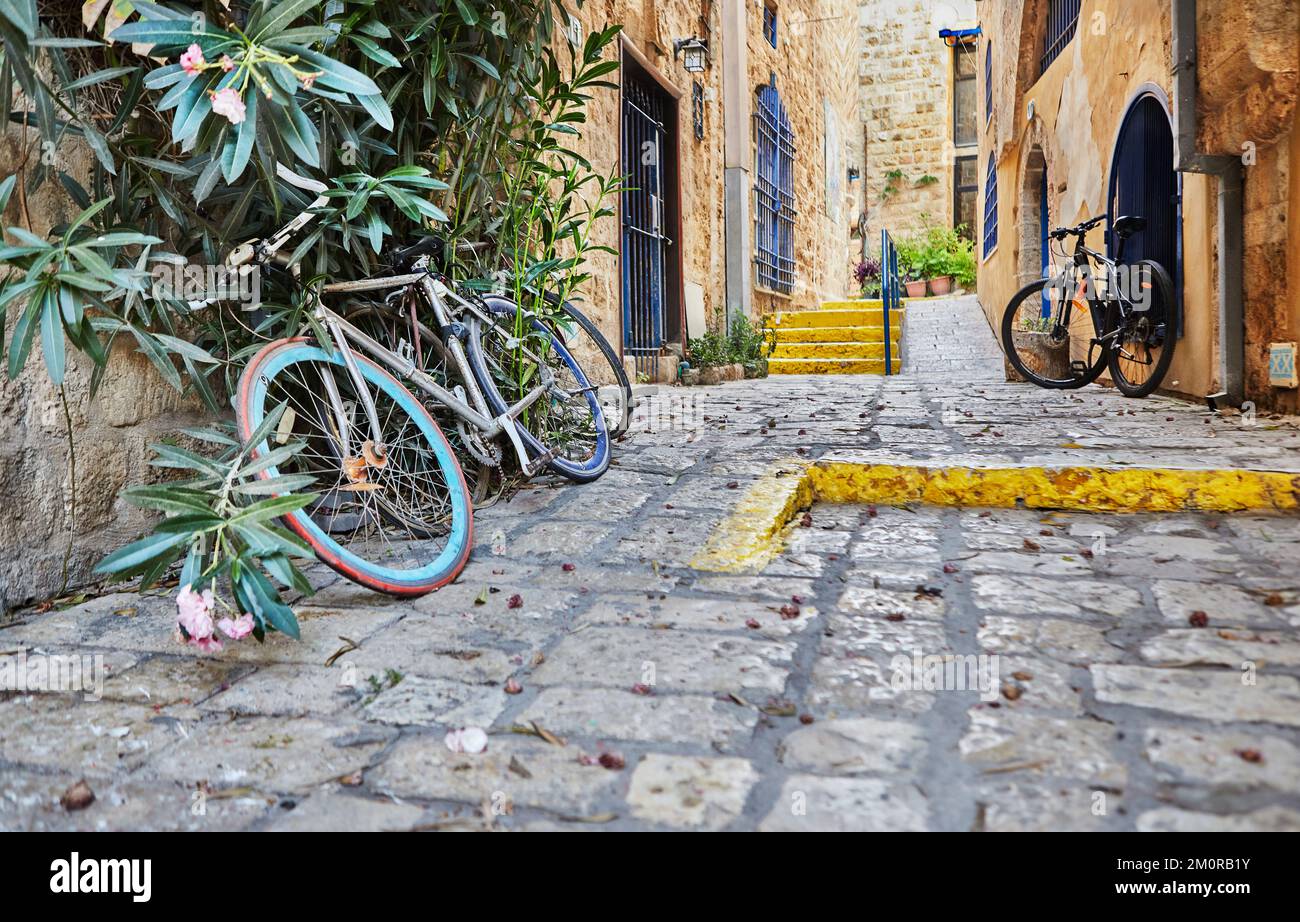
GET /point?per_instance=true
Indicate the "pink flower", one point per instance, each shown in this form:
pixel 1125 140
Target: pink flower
pixel 227 102
pixel 226 64
pixel 194 618
pixel 471 739
pixel 192 60
pixel 236 628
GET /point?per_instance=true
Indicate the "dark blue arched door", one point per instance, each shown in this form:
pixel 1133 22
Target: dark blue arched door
pixel 1143 182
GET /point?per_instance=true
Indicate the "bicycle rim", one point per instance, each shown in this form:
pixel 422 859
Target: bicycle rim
pixel 1050 339
pixel 1147 337
pixel 401 522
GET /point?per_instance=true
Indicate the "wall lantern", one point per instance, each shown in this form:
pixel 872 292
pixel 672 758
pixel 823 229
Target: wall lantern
pixel 696 53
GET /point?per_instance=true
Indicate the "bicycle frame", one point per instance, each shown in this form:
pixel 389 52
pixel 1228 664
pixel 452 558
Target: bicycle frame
pixel 343 334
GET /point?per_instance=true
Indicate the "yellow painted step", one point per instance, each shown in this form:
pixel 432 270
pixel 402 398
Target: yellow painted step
pixel 824 350
pixel 862 304
pixel 827 366
pixel 868 334
pixel 834 318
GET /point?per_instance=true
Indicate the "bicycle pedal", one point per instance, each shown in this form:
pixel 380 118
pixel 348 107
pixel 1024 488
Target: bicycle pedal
pixel 1079 368
pixel 538 464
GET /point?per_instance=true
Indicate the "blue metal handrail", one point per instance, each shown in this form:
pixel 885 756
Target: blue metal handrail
pixel 891 290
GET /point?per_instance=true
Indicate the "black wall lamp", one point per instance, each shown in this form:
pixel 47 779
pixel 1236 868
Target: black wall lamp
pixel 696 53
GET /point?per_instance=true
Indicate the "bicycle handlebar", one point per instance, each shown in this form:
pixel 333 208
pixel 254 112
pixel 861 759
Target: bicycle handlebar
pixel 1079 230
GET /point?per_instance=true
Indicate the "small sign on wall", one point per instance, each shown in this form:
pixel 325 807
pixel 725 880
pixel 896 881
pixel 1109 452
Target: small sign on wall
pixel 1281 365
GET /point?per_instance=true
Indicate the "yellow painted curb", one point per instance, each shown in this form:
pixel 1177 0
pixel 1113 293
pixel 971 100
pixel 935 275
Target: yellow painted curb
pixel 753 534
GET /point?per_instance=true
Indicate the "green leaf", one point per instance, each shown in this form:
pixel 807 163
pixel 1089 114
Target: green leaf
pixel 372 49
pixel 52 337
pixel 256 591
pixel 378 109
pixel 24 332
pixel 335 74
pixel 22 13
pixel 279 18
pixel 140 552
pixel 99 76
pixel 243 141
pixel 273 508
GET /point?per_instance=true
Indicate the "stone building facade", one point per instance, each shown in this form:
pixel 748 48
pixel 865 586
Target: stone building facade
pixel 919 117
pixel 807 51
pixel 56 527
pixel 1216 79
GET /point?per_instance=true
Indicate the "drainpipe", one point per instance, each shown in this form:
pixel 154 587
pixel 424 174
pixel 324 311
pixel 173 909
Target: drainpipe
pixel 1231 175
pixel 738 189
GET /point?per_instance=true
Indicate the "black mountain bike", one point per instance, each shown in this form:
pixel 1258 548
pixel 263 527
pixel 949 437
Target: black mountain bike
pixel 1064 331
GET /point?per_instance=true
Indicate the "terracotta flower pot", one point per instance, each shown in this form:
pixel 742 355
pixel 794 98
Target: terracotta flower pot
pixel 915 289
pixel 941 286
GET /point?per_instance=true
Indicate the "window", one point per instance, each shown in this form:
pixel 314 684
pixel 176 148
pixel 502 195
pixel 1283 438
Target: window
pixel 964 95
pixel 769 25
pixel 774 192
pixel 988 82
pixel 697 110
pixel 966 190
pixel 991 209
pixel 1062 20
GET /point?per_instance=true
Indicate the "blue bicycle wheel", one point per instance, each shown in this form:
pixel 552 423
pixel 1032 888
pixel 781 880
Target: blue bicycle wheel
pixel 568 420
pixel 396 519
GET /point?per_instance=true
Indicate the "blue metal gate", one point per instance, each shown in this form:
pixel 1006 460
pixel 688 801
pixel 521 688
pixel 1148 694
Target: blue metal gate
pixel 1143 182
pixel 644 241
pixel 774 192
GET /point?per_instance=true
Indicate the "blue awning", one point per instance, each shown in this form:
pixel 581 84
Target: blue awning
pixel 953 36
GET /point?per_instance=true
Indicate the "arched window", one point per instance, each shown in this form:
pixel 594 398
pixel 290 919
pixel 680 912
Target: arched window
pixel 774 192
pixel 1062 21
pixel 991 209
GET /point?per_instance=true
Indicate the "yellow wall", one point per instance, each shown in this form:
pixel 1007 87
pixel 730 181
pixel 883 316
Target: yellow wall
pixel 1249 54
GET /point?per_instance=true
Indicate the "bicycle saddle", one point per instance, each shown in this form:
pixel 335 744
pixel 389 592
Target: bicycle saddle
pixel 1129 225
pixel 431 246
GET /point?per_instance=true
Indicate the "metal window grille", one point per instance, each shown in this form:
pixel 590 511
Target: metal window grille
pixel 769 25
pixel 1062 21
pixel 991 209
pixel 774 192
pixel 697 110
pixel 644 241
pixel 988 82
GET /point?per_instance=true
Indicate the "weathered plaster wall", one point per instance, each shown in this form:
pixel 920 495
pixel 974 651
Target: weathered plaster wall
pixel 111 432
pixel 905 84
pixel 1249 55
pixel 814 67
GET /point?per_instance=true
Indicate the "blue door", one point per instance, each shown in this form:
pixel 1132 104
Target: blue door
pixel 644 240
pixel 1143 182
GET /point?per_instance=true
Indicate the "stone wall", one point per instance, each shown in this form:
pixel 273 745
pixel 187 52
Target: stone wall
pixel 814 69
pixel 41 526
pixel 905 81
pixel 1249 51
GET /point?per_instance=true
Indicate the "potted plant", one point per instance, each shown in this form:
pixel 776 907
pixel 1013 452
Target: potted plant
pixel 915 283
pixel 867 275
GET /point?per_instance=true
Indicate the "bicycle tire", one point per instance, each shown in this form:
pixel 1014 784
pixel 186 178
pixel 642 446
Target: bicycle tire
pixel 621 420
pixel 1172 322
pixel 1075 379
pixel 250 410
pixel 579 471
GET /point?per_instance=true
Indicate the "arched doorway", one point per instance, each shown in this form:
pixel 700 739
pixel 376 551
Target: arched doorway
pixel 1143 182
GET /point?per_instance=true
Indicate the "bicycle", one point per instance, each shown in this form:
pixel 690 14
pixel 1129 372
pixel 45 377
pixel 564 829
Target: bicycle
pixel 390 482
pixel 1098 314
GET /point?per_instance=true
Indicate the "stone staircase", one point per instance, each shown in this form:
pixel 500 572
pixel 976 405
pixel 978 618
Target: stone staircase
pixel 839 338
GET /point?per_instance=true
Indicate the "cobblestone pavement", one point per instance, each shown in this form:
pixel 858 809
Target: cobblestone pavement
pixel 1140 671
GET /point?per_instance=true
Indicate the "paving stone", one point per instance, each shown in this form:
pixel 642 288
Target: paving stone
pixel 1222 647
pixel 553 540
pixel 1045 808
pixel 1224 605
pixel 1067 641
pixel 674 661
pixel 1171 819
pixel 809 803
pixel 30 803
pixel 698 614
pixel 1042 564
pixel 1078 598
pixel 1003 741
pixel 266 754
pixel 436 702
pixel 329 811
pixel 512 772
pixel 684 791
pixel 1234 760
pixel 291 691
pixel 164 680
pixel 1217 696
pixel 601 713
pixel 850 747
pixel 92 738
pixel 1039 684
pixel 880 603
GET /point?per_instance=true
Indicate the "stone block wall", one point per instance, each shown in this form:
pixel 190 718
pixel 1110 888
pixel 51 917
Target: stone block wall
pixel 905 81
pixel 48 540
